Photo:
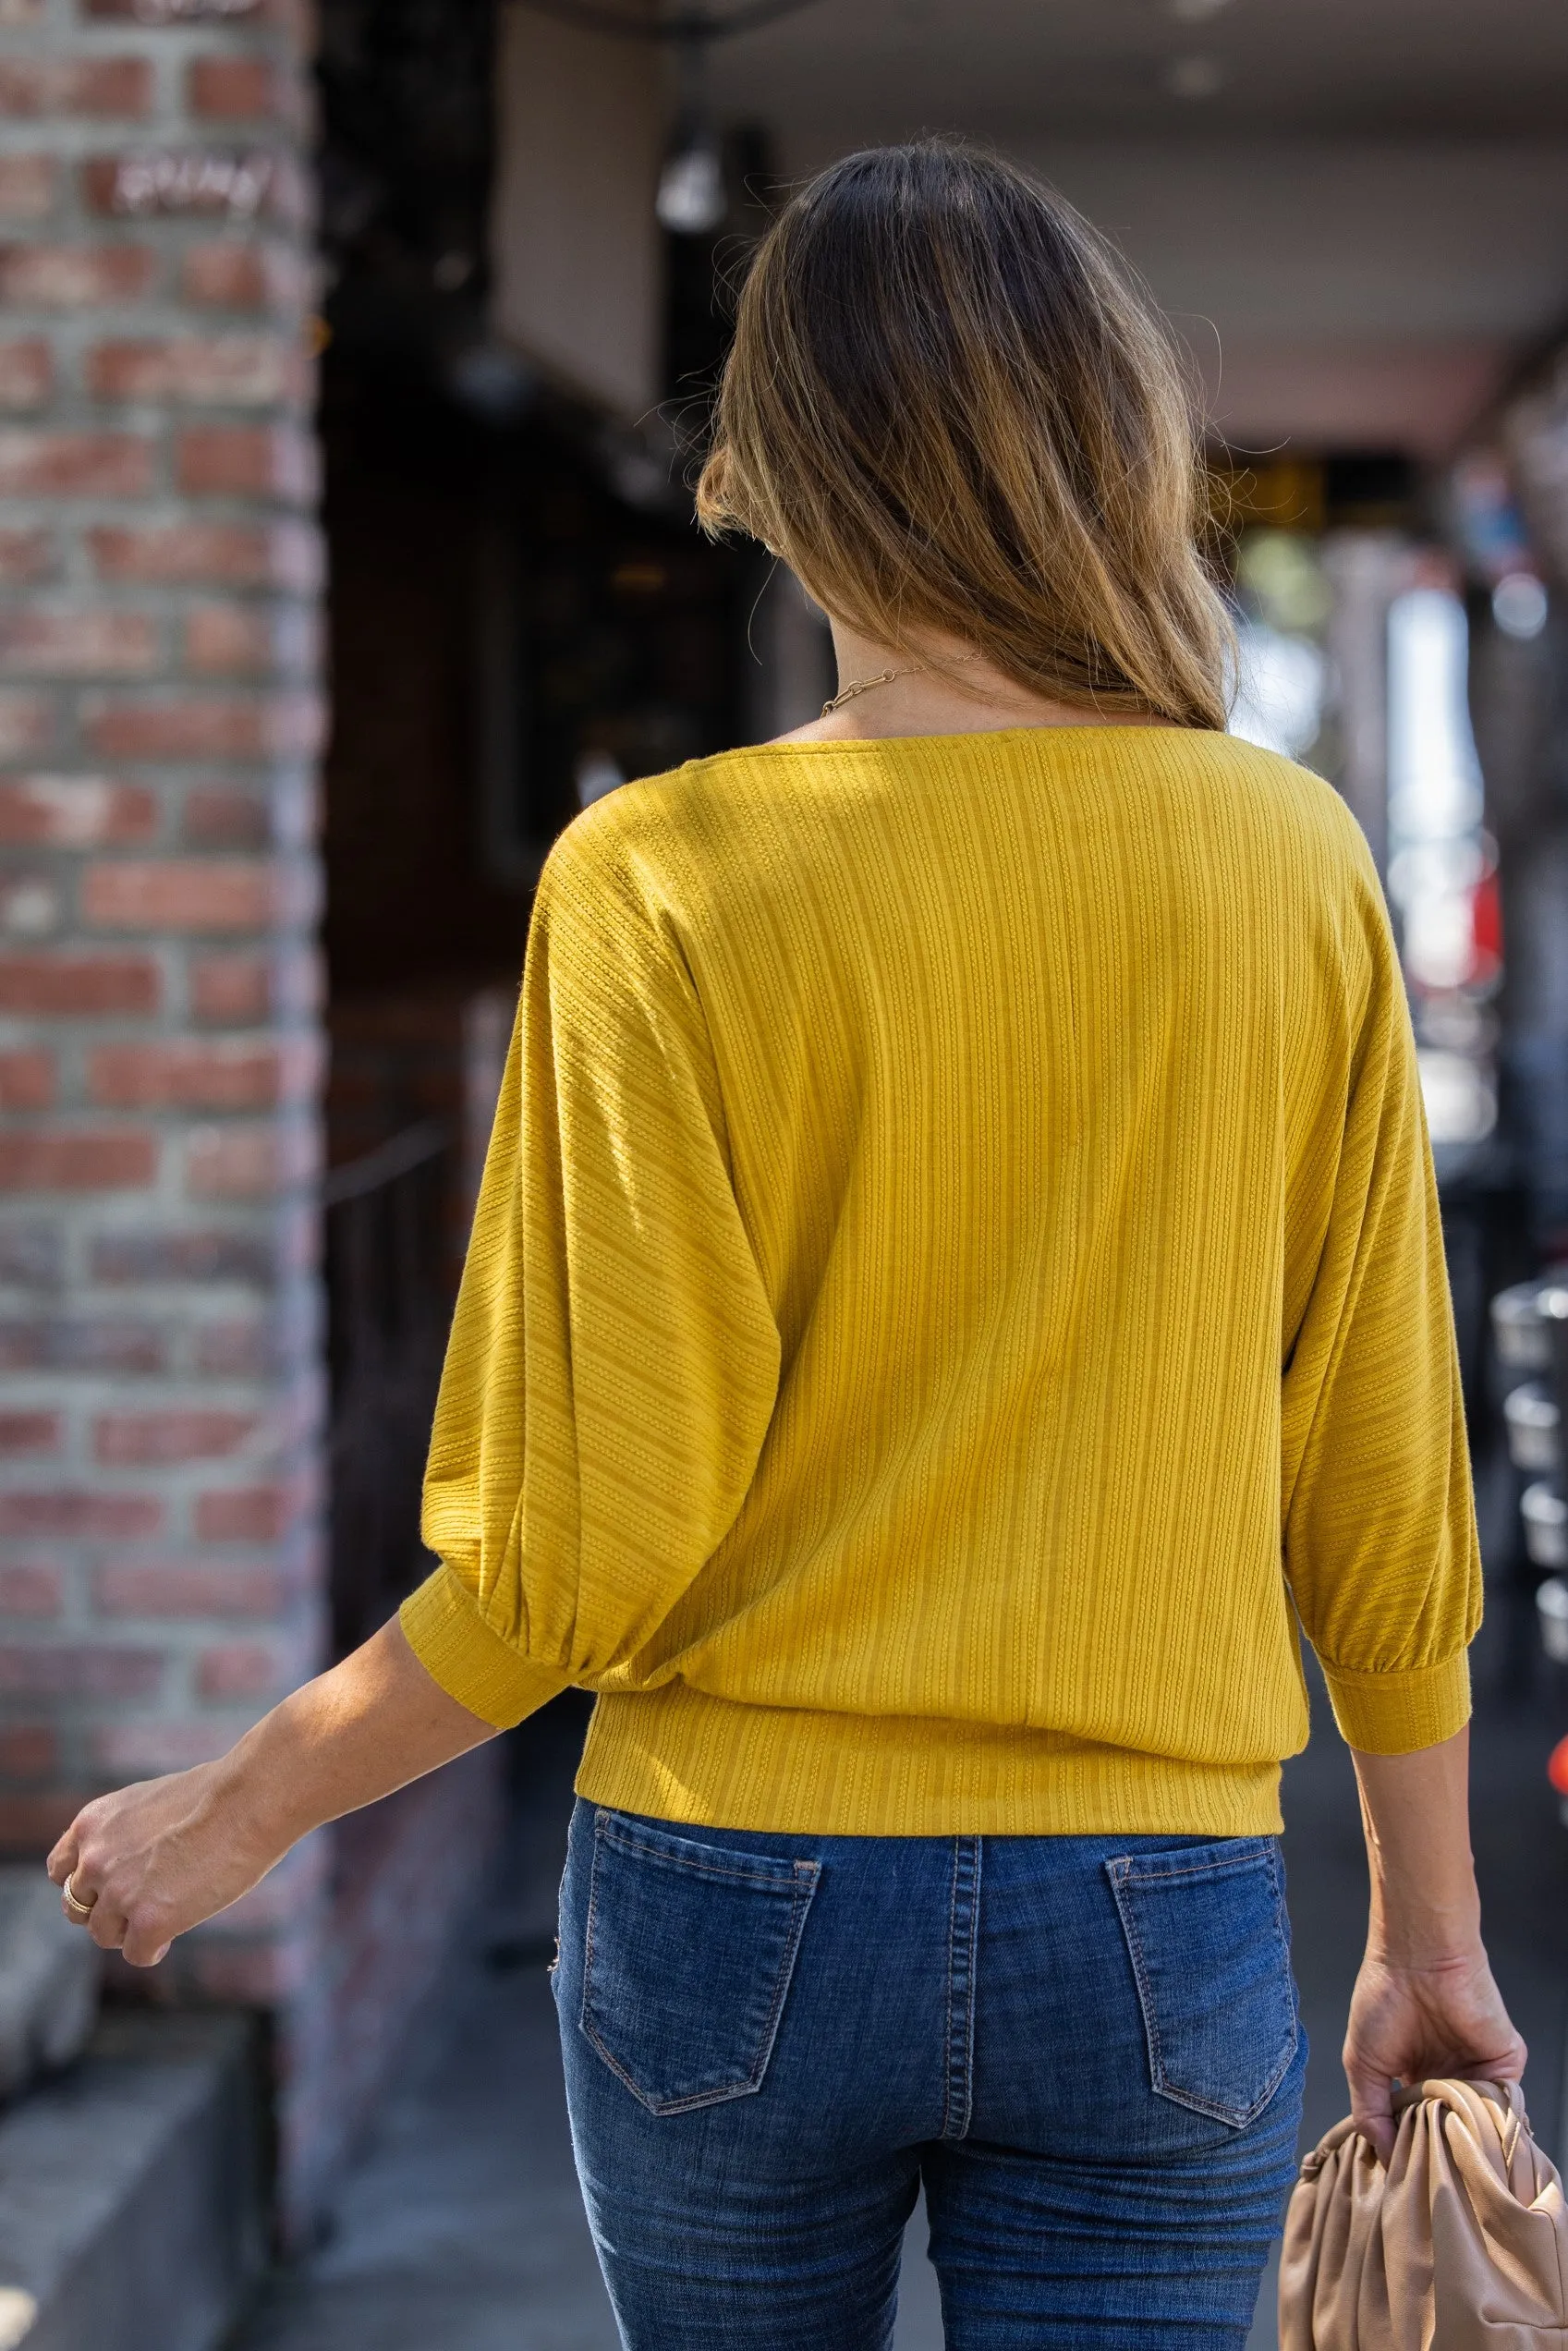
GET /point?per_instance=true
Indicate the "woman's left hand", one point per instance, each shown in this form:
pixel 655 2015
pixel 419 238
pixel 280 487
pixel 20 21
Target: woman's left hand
pixel 154 1859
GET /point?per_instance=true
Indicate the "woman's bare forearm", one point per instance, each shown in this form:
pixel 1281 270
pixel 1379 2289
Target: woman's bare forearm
pixel 1416 1813
pixel 147 1863
pixel 371 1724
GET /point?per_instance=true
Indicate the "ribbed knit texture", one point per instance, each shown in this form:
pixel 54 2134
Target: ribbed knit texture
pixel 958 1260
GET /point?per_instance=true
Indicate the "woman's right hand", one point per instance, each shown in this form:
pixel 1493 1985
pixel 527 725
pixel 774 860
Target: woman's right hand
pixel 1413 2023
pixel 147 1863
pixel 150 1862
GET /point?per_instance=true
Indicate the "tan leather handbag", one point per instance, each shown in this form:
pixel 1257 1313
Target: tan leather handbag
pixel 1461 2245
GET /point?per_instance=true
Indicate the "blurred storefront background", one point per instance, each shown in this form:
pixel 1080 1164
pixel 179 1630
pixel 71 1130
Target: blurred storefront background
pixel 364 354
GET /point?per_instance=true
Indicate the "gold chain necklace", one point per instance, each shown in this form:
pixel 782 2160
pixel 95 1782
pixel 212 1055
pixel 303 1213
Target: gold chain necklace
pixel 883 677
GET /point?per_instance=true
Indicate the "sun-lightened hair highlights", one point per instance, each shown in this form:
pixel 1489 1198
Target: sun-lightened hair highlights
pixel 950 410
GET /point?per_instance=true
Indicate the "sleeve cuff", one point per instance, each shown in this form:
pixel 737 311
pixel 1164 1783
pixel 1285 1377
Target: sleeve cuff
pixel 1395 1713
pixel 442 1625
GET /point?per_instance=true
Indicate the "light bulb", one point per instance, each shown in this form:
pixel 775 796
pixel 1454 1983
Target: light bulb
pixel 690 201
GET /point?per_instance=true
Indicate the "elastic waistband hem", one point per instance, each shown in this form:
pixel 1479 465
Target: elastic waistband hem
pixel 677 1754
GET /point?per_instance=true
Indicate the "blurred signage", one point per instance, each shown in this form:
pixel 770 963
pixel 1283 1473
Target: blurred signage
pixel 1441 866
pixel 575 247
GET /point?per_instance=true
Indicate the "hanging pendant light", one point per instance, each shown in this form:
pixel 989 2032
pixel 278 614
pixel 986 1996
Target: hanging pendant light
pixel 692 199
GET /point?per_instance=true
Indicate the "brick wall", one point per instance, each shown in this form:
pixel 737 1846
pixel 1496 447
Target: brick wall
pixel 161 1404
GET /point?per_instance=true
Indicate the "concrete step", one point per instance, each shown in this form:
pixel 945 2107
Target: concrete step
pixel 49 1974
pixel 132 2190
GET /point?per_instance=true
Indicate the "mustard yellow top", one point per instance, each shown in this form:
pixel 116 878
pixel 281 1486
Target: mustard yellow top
pixel 957 1278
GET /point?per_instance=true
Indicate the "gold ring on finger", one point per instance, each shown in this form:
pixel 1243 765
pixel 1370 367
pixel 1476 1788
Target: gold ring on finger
pixel 73 1903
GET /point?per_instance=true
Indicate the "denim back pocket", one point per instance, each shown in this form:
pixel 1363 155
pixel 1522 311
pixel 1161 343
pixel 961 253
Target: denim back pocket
pixel 689 1956
pixel 1209 1943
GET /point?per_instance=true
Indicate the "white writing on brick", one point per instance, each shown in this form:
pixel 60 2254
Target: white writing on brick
pixel 181 181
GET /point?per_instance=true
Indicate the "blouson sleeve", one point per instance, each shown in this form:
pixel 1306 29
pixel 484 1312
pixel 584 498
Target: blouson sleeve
pixel 614 1360
pixel 1379 1532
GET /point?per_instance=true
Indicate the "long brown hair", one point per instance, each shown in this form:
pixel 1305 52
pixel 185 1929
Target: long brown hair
pixel 950 410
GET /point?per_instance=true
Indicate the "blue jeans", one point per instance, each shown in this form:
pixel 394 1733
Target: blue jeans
pixel 1087 2048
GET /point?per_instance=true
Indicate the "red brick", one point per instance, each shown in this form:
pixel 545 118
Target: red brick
pixel 75 277
pixel 186 1074
pixel 177 1589
pixel 249 640
pixel 185 894
pixel 33 1588
pixel 27 187
pixel 82 85
pixel 78 644
pixel 240 1669
pixel 75 811
pixel 138 1750
pixel 29 1751
pixel 71 985
pixel 26 724
pixel 70 1511
pixel 27 372
pixel 26 555
pixel 221 816
pixel 234 990
pixel 31 1824
pixel 259 275
pixel 199 1253
pixel 247 1347
pixel 229 638
pixel 26 1075
pixel 229 276
pixel 248 461
pixel 95 1343
pixel 239 554
pixel 216 371
pixel 26 1079
pixel 117 1160
pixel 189 726
pixel 223 88
pixel 194 1434
pixel 75 465
pixel 80 1669
pixel 250 1162
pixel 249 1513
pixel 27 1433
pixel 194 183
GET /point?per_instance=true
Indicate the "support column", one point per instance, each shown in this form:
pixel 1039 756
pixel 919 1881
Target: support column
pixel 160 1392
